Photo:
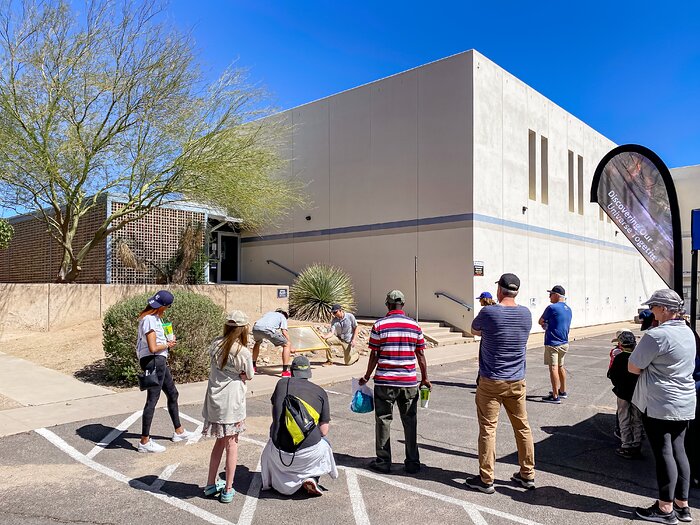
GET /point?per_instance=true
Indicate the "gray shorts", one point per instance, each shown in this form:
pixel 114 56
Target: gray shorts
pixel 274 336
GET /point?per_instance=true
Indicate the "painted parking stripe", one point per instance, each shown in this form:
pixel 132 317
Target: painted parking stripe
pixel 164 476
pixel 114 434
pixel 251 499
pixel 358 503
pixel 441 497
pixel 146 489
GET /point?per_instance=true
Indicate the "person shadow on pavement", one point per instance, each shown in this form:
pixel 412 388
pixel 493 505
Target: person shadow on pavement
pixel 242 483
pixel 96 432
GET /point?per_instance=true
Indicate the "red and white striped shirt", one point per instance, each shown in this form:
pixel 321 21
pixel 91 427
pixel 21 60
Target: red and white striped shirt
pixel 396 338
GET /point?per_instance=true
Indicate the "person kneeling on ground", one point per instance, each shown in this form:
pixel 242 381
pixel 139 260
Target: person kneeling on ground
pixel 629 417
pixel 285 466
pixel 343 332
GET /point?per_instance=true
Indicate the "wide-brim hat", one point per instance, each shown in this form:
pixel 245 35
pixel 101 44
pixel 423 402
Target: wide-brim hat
pixel 237 318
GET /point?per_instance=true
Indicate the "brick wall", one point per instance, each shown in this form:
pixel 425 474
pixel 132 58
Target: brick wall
pixel 35 257
pixel 153 238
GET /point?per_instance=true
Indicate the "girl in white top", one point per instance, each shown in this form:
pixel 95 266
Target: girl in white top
pixel 152 351
pixel 224 409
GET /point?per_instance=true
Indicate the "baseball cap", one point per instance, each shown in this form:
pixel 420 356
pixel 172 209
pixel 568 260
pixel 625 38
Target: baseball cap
pixel 283 312
pixel 647 318
pixel 301 367
pixel 237 318
pixel 665 297
pixel 557 288
pixel 485 295
pixel 335 308
pixel 509 281
pixel 625 338
pixel 161 298
pixel 395 296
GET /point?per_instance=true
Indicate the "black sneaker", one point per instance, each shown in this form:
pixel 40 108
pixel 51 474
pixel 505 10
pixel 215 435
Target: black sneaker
pixel 381 467
pixel 474 482
pixel 628 453
pixel 562 395
pixel 551 399
pixel 682 513
pixel 654 514
pixel 526 483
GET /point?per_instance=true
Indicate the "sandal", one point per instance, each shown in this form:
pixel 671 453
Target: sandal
pixel 227 497
pixel 212 490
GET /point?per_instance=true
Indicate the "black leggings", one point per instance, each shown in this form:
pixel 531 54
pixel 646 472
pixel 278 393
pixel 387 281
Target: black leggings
pixel 672 468
pixel 167 385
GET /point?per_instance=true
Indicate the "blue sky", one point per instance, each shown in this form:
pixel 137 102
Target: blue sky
pixel 631 70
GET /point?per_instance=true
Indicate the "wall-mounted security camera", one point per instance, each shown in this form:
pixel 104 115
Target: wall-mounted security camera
pixel 524 209
pixel 308 217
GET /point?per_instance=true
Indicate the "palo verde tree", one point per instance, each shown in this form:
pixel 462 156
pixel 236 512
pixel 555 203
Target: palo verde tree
pixel 112 100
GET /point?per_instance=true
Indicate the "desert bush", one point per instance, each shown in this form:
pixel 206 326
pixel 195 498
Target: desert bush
pixel 318 286
pixel 196 321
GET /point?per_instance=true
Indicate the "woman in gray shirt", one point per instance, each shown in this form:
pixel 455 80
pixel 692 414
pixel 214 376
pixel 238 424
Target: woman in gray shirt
pixel 665 394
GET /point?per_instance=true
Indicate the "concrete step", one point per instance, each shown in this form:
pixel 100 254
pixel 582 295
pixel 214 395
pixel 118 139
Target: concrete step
pixel 452 339
pixel 440 330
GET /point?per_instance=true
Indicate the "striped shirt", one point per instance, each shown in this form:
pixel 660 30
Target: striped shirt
pixel 396 338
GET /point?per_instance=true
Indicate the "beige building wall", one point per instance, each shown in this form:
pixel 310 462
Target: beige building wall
pixel 537 235
pixel 687 183
pixel 389 171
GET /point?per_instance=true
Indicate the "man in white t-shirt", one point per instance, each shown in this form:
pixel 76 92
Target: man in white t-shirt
pixel 273 327
pixel 343 332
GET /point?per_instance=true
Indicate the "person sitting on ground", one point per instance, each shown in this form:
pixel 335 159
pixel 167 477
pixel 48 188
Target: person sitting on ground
pixel 628 416
pixel 286 467
pixel 486 299
pixel 224 409
pixel 273 327
pixel 343 332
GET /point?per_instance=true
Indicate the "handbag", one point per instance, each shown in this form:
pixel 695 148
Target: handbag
pixel 149 378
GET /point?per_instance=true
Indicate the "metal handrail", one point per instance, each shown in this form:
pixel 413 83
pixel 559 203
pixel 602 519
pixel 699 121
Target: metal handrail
pixel 270 261
pixel 448 296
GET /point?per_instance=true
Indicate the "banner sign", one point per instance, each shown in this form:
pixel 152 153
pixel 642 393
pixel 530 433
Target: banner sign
pixel 695 230
pixel 635 189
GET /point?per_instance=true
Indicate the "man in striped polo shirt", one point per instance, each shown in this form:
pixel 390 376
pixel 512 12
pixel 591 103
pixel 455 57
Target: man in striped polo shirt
pixel 396 344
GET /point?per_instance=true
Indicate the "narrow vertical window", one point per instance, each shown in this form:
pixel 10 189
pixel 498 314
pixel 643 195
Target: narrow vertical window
pixel 580 185
pixel 571 181
pixel 532 163
pixel 544 169
pixel 601 214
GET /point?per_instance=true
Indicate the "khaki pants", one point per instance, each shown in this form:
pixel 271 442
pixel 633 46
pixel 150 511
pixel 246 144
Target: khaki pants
pixel 350 354
pixel 490 395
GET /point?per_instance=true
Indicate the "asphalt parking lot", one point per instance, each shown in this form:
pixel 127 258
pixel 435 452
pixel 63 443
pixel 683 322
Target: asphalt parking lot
pixel 63 475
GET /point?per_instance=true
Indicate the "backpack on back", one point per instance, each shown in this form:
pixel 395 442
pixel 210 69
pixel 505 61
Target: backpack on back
pixel 300 420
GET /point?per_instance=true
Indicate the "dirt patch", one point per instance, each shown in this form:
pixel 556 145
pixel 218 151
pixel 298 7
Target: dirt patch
pixel 77 351
pixel 6 403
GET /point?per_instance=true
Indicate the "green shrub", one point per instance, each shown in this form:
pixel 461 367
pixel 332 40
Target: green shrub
pixel 6 233
pixel 196 321
pixel 318 286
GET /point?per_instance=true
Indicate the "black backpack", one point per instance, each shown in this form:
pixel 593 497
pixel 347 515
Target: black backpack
pixel 300 420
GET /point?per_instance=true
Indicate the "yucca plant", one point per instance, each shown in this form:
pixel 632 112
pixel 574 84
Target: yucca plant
pixel 317 288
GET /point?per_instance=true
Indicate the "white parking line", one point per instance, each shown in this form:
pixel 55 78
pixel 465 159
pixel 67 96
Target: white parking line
pixel 447 499
pixel 114 434
pixel 475 515
pixel 164 476
pixel 358 502
pixel 337 393
pixel 145 489
pixel 251 499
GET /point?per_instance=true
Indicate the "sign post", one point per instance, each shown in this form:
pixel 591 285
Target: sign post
pixel 695 246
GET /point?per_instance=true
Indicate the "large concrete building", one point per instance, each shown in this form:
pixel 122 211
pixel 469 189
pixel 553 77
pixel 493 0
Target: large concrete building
pixel 443 177
pixel 687 183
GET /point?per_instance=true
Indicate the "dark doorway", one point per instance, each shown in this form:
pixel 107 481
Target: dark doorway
pixel 229 244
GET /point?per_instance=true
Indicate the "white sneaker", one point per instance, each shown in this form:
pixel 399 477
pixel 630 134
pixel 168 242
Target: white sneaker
pixel 151 446
pixel 185 436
